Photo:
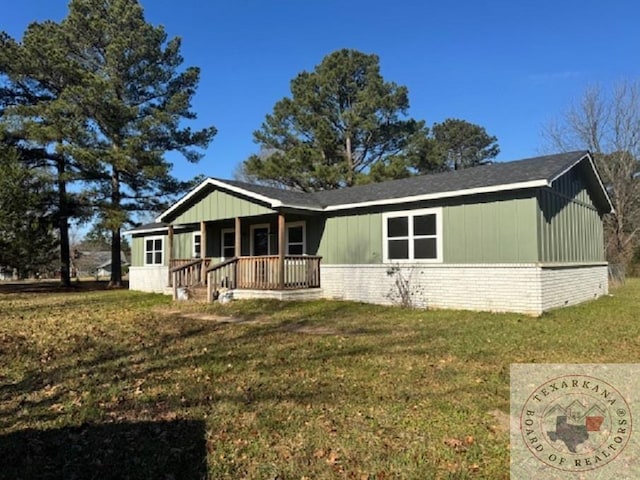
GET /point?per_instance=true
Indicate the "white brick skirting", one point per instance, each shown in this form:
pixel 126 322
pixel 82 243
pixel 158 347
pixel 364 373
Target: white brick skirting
pixel 149 279
pixel 524 288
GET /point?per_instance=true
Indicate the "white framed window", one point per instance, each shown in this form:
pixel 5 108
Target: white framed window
pixel 296 237
pixel 196 243
pixel 260 239
pixel 228 243
pixel 154 251
pixel 413 235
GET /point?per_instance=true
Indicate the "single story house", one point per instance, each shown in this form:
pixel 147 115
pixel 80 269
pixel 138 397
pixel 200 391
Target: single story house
pixel 94 263
pixel 523 236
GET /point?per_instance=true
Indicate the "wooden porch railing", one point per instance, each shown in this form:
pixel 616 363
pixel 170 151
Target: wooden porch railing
pixel 176 265
pixel 262 273
pixel 222 275
pixel 187 274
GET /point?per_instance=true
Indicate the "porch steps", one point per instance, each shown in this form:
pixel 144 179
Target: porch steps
pixel 198 294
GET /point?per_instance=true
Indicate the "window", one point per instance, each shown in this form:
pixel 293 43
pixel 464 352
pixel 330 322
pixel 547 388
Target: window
pixel 197 245
pixel 296 238
pixel 153 250
pixel 228 243
pixel 414 235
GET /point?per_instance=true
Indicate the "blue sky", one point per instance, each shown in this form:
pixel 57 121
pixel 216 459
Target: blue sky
pixel 510 66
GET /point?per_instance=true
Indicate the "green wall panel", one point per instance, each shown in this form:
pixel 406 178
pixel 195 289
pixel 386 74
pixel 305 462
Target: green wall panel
pixel 217 206
pixel 137 249
pixel 350 239
pixel 498 231
pixel 569 225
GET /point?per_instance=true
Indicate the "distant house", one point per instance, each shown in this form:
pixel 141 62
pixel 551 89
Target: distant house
pixel 95 263
pixel 523 236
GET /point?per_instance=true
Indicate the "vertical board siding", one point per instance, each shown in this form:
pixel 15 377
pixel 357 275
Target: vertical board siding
pixel 219 205
pixel 351 239
pixel 182 244
pixel 499 231
pixel 137 249
pixel 569 225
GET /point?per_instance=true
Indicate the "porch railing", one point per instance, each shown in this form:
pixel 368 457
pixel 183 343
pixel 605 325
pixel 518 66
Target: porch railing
pixel 187 274
pixel 177 265
pixel 263 273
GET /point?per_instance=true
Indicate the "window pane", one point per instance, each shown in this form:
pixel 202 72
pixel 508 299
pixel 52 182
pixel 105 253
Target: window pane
pixel 295 249
pixel 158 244
pixel 148 245
pixel 398 227
pixel 425 248
pixel 424 224
pixel 149 259
pixel 295 234
pixel 398 249
pixel 228 252
pixel 229 239
pixel 158 259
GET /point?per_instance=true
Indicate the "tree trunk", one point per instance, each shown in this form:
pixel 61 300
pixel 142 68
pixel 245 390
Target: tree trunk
pixel 350 166
pixel 63 226
pixel 116 265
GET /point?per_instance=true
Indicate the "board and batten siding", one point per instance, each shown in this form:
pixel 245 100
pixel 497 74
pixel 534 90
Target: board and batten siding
pixel 569 225
pixel 182 247
pixel 497 231
pixel 348 239
pixel 217 205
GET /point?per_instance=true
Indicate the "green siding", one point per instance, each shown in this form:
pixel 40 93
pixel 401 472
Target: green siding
pixel 218 206
pixel 182 245
pixel 569 225
pixel 137 249
pixel 348 239
pixel 498 231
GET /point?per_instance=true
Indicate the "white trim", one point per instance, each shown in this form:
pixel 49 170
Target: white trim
pixel 153 239
pixel 409 214
pixel 193 244
pixel 433 196
pixel 595 173
pixel 251 230
pixel 302 224
pixel 275 203
pixel 222 232
pixel 154 230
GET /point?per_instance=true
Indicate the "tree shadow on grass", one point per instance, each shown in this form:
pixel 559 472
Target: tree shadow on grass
pixel 162 450
pixel 53 286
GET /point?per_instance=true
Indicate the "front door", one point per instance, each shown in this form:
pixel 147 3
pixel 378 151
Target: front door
pixel 260 241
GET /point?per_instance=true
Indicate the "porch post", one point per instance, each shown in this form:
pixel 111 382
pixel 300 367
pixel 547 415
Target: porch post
pixel 203 250
pixel 170 250
pixel 281 248
pixel 238 249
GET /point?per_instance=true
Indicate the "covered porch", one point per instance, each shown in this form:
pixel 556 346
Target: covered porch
pixel 244 254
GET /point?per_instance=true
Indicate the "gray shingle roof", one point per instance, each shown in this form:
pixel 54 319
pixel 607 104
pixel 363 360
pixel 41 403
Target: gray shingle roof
pixel 492 175
pixel 530 172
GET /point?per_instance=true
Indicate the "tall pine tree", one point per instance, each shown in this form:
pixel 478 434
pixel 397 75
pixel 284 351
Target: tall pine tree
pixel 40 117
pixel 135 96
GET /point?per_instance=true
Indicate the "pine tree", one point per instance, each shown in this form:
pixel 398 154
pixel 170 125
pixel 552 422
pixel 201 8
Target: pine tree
pixel 135 96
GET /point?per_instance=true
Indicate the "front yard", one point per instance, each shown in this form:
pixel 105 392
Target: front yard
pixel 118 384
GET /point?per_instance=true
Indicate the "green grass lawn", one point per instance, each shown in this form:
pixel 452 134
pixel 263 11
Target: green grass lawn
pixel 118 384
